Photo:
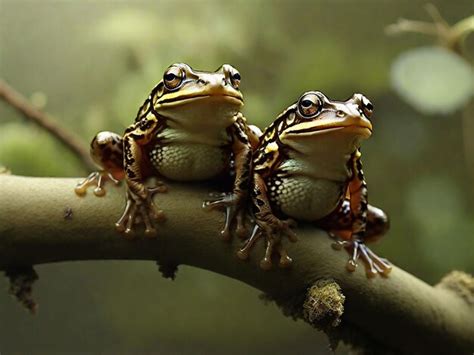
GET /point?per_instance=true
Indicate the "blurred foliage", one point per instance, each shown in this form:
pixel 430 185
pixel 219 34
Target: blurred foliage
pixel 92 63
pixel 433 79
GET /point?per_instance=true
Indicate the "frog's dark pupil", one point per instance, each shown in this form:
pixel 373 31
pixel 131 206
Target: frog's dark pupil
pixel 369 106
pixel 170 77
pixel 306 103
pixel 236 76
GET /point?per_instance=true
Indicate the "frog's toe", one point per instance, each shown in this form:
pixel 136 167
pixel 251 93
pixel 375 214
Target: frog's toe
pixel 241 229
pixel 99 191
pixel 273 230
pixel 220 200
pixel 266 264
pixel 382 265
pixel 97 179
pixel 285 260
pixel 81 187
pixel 351 265
pixel 129 233
pixel 151 233
pixel 373 263
pixel 230 203
pixel 244 252
pixel 139 212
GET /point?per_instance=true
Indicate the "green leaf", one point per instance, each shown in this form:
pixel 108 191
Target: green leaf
pixel 433 80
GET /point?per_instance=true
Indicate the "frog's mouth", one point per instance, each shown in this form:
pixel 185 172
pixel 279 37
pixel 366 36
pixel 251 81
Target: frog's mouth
pixel 185 99
pixel 356 125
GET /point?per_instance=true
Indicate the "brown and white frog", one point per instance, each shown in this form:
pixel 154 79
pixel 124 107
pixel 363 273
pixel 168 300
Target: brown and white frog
pixel 190 128
pixel 308 168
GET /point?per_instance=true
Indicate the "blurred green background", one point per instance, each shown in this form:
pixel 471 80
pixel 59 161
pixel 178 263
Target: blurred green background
pixel 92 63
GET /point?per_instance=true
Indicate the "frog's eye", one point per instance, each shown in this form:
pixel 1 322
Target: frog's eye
pixel 367 107
pixel 232 76
pixel 309 105
pixel 235 79
pixel 173 77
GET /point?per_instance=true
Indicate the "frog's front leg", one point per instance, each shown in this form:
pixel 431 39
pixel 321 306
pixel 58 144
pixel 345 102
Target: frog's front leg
pixel 367 223
pixel 139 204
pixel 269 227
pixel 107 151
pixel 233 202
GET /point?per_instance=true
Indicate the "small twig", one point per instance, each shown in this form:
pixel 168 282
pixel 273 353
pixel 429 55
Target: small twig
pixel 69 140
pixel 436 16
pixel 404 25
pixel 448 36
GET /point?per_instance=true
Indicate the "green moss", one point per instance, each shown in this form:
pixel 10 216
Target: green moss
pixel 324 305
pixel 460 283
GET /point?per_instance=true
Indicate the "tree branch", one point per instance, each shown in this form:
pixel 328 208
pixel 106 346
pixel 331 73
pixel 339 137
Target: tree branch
pixel 69 140
pixel 43 221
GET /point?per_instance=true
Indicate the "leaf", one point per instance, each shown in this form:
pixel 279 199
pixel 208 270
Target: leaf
pixel 433 80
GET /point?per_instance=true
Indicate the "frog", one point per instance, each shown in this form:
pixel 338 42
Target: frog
pixel 307 168
pixel 190 128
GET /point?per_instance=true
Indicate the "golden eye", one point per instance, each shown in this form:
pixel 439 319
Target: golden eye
pixel 232 76
pixel 235 79
pixel 309 105
pixel 173 77
pixel 367 107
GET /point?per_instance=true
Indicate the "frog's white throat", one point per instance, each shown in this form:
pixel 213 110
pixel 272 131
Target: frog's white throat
pixel 332 142
pixel 203 113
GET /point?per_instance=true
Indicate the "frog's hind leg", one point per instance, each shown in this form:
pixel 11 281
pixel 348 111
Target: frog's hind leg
pixel 107 151
pixel 340 224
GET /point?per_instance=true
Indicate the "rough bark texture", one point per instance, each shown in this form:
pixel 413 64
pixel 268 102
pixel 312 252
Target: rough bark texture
pixel 43 221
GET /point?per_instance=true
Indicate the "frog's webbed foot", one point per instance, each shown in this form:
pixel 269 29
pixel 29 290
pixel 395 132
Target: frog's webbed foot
pixel 273 231
pixel 358 250
pixel 141 209
pixel 97 179
pixel 232 205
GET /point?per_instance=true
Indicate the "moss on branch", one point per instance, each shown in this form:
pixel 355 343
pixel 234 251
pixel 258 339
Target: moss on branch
pixel 43 221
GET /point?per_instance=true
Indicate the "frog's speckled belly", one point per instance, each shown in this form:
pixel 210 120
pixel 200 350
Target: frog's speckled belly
pixel 305 198
pixel 189 162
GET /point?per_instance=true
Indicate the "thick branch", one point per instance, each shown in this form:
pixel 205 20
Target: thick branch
pixel 42 221
pixel 69 140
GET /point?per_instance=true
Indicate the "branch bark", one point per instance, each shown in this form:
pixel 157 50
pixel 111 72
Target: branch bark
pixel 43 221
